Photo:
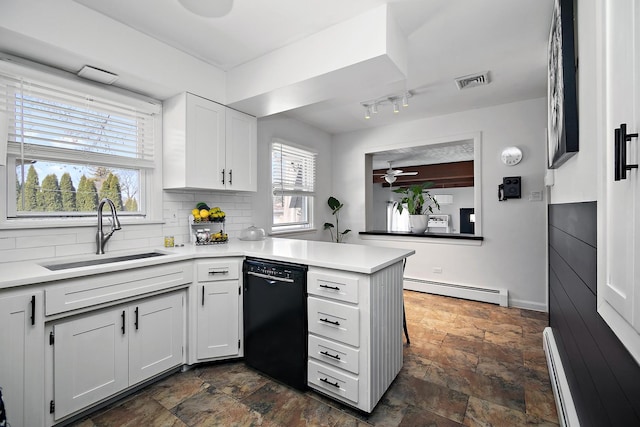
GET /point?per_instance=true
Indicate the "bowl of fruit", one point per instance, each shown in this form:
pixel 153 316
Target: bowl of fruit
pixel 203 213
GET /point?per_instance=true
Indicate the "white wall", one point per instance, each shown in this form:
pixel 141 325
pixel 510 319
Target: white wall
pixel 65 34
pixel 576 180
pixel 302 134
pixel 512 255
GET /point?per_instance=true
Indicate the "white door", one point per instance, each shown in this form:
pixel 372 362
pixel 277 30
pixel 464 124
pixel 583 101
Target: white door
pixel 241 146
pixel 619 292
pixel 156 336
pixel 218 319
pixel 22 358
pixel 205 143
pixel 90 359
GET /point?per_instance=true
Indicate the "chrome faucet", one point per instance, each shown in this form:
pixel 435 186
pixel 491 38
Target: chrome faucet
pixel 101 238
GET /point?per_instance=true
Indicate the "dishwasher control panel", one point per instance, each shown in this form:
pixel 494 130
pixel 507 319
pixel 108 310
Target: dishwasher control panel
pixel 274 269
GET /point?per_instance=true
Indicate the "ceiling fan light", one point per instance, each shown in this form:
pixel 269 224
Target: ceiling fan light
pixel 208 8
pixel 390 179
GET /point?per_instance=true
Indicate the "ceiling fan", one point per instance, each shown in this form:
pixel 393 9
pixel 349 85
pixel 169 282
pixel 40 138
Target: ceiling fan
pixel 391 174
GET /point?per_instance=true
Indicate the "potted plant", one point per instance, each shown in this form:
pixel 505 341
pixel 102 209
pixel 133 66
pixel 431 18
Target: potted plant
pixel 335 206
pixel 418 201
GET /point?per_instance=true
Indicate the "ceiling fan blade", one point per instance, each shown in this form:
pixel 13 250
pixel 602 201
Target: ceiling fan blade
pixel 406 173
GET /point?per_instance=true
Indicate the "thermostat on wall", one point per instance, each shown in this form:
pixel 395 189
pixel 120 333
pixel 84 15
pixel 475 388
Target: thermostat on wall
pixel 511 156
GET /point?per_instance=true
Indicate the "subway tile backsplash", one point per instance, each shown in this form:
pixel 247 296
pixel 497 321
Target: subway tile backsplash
pixel 31 244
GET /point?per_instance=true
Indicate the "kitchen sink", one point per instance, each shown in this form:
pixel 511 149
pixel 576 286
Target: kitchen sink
pixel 99 261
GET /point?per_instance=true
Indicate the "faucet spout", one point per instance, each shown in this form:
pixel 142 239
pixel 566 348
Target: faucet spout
pixel 101 237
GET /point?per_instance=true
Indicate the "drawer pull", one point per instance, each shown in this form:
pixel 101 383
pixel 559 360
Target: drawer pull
pixel 325 380
pixel 330 321
pixel 326 353
pixel 335 288
pixel 214 272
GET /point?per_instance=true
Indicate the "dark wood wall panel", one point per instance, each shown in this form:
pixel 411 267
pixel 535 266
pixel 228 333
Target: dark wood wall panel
pixel 603 377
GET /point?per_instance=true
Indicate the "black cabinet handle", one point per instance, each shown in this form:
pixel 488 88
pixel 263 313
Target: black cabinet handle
pixel 230 176
pixel 326 353
pixel 330 321
pixel 203 295
pixel 33 310
pixel 620 152
pixel 136 319
pixel 325 380
pixel 123 322
pixel 222 176
pixel 330 287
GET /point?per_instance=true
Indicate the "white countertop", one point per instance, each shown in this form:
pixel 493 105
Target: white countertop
pixel 343 256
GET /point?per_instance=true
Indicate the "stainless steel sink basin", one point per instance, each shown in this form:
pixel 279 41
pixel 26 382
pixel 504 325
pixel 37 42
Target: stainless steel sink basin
pixel 98 261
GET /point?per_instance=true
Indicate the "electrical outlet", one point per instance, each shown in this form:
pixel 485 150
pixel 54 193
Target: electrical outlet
pixel 173 217
pixel 437 269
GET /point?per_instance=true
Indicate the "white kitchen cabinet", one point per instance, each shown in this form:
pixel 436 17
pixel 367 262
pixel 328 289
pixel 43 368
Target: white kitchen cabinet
pixel 619 201
pixel 208 146
pixel 156 340
pixel 355 333
pixel 99 354
pixel 22 357
pixel 218 301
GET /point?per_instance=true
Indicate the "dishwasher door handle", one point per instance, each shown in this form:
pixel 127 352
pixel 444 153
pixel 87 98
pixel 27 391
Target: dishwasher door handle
pixel 271 278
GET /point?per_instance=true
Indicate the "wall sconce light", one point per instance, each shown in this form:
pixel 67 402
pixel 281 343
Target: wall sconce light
pixel 371 106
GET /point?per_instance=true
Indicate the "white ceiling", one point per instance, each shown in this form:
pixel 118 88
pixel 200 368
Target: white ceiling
pixel 445 39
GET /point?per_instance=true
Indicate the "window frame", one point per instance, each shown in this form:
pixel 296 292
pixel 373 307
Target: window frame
pixel 309 225
pixel 150 186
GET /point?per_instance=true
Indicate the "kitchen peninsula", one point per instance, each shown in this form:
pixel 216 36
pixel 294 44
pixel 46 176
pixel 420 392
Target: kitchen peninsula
pixel 154 315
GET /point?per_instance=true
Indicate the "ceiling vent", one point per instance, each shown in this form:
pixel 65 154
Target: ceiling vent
pixel 473 80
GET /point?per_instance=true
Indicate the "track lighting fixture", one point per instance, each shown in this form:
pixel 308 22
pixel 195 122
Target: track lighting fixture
pixel 394 100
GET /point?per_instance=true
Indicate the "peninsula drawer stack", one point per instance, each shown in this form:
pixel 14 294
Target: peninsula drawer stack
pixel 352 357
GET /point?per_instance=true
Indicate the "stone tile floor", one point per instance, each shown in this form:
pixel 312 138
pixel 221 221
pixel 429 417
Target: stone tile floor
pixel 469 363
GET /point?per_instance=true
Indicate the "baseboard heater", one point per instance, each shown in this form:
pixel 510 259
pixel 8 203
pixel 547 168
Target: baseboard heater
pixel 475 293
pixel 567 414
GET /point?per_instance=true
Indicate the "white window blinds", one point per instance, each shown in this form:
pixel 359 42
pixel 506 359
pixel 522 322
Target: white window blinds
pixel 47 122
pixel 293 170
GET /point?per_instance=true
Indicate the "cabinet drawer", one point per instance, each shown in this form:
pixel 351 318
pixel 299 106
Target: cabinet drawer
pixel 334 320
pixel 334 354
pixel 339 286
pixel 218 270
pixel 332 381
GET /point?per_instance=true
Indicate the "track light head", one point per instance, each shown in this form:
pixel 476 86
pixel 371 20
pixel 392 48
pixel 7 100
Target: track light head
pixel 374 108
pixel 367 114
pixel 396 110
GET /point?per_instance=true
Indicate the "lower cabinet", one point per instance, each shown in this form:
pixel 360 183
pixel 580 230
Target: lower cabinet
pixel 217 297
pixel 99 354
pixel 22 357
pixel 355 333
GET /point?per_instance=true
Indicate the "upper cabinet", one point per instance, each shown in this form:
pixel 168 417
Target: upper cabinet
pixel 208 146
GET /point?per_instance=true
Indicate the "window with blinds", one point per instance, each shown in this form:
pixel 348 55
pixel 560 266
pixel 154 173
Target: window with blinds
pixel 293 177
pixel 71 149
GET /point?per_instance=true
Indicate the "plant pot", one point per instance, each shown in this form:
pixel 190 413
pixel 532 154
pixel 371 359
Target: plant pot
pixel 418 223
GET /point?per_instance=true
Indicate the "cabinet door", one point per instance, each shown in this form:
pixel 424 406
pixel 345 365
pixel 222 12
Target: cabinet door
pixel 90 359
pixel 205 144
pixel 22 358
pixel 621 222
pixel 218 319
pixel 156 336
pixel 241 151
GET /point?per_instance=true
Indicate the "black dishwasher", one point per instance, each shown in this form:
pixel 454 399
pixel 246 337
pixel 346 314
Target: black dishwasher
pixel 275 320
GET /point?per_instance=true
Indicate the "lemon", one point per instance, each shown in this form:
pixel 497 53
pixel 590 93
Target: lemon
pixel 204 213
pixel 195 212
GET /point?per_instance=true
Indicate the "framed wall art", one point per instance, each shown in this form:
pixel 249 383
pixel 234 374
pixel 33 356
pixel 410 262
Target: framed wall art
pixel 562 138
